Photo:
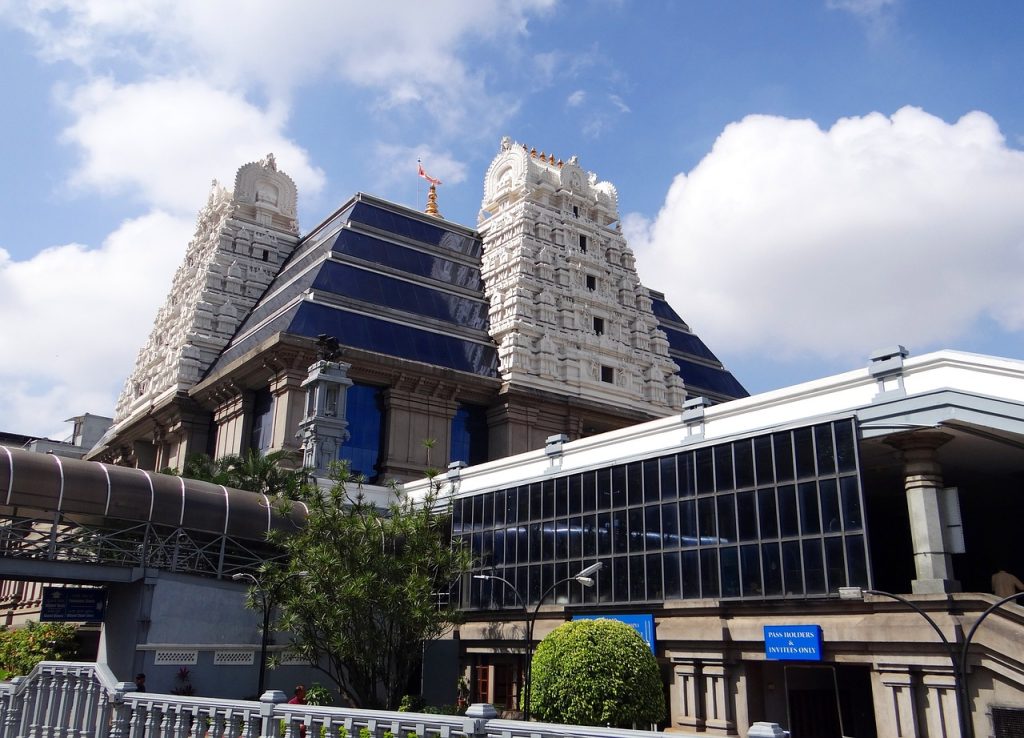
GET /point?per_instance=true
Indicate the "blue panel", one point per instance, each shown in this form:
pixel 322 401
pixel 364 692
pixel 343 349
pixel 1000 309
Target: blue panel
pixel 663 311
pixel 792 642
pixel 381 290
pixel 402 225
pixel 393 339
pixel 267 307
pixel 644 624
pixel 688 343
pixel 379 251
pixel 699 376
pixel 469 435
pixel 364 411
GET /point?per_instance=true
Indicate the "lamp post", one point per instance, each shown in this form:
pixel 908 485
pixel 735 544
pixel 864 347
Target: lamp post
pixel 583 577
pixel 957 657
pixel 267 592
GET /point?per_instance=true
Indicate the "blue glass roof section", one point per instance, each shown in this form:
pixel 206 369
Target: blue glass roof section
pixel 379 289
pixel 702 377
pixel 379 251
pixel 412 228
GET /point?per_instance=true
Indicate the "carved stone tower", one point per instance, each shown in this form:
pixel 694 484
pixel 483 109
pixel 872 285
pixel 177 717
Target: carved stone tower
pixel 567 309
pixel 241 240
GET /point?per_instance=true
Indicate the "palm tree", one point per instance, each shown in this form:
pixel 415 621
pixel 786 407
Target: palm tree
pixel 268 474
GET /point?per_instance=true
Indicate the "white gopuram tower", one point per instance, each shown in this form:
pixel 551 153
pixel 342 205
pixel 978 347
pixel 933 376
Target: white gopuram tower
pixel 241 240
pixel 567 309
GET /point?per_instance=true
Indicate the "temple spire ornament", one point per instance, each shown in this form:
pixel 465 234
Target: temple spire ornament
pixel 432 202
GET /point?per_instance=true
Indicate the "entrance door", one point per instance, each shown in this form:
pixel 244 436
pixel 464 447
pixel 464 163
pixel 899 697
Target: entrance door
pixel 830 701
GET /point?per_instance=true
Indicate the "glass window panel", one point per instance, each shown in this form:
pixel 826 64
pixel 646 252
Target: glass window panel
pixel 499 507
pixel 851 503
pixel 687 523
pixel 561 497
pixel 589 535
pixel 766 513
pixel 670 525
pixel 457 518
pixel 488 510
pixel 511 543
pixel 706 521
pixel 669 482
pixel 604 489
pixel 856 561
pixel 523 544
pixel 787 511
pixel 589 483
pixel 652 488
pixel 620 578
pixel 364 411
pixel 772 568
pixel 823 449
pixel 478 548
pixel 536 554
pixel 846 456
pixel 637 579
pixel 536 509
pixel 499 547
pixel 744 459
pixel 636 529
pixel 814 567
pixel 750 565
pixel 547 574
pixel 803 443
pixel 689 566
pixel 511 505
pixel 709 572
pixel 655 590
pixel 478 512
pixel 548 540
pixel 605 583
pixel 562 539
pixel 763 460
pixel 792 569
pixel 634 483
pixel 723 468
pixel 730 562
pixel 835 567
pixel 673 585
pixel 828 494
pixel 548 498
pixel 727 518
pixel 575 537
pixel 469 435
pixel 620 532
pixel 652 527
pixel 746 515
pixel 810 523
pixel 604 533
pixel 705 471
pixel 783 457
pixel 687 474
pixel 524 504
pixel 535 584
pixel 575 494
pixel 618 486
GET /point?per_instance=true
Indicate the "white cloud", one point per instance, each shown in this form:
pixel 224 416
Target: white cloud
pixel 619 104
pixel 576 98
pixel 397 164
pixel 74 318
pixel 790 240
pixel 162 141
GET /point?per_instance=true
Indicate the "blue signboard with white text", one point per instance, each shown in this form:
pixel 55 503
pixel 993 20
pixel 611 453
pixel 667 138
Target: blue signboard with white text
pixel 72 604
pixel 792 642
pixel 644 625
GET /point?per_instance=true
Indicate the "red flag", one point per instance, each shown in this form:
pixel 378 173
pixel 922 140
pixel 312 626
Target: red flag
pixel 423 173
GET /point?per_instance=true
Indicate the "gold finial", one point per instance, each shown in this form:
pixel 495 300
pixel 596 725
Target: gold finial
pixel 551 159
pixel 533 153
pixel 543 156
pixel 560 163
pixel 432 202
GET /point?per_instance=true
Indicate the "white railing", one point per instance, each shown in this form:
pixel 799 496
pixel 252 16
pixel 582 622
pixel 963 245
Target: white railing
pixel 84 700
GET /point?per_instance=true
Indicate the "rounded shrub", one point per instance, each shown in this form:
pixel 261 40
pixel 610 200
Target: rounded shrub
pixel 596 672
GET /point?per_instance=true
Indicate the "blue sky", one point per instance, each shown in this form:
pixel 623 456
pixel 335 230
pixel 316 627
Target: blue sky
pixel 807 181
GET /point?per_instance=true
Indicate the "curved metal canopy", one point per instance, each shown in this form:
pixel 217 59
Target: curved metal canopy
pixel 46 482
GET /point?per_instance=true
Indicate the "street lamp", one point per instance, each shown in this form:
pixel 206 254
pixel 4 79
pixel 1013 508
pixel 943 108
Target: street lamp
pixel 267 592
pixel 958 658
pixel 583 577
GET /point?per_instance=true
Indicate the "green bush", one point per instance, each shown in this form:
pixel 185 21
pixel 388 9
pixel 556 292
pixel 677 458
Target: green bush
pixel 596 672
pixel 23 648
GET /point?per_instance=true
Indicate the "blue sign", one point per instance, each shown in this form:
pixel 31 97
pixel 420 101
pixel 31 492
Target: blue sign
pixel 792 642
pixel 72 604
pixel 644 625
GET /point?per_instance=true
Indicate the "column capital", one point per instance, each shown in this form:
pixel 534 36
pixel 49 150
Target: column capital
pixel 919 440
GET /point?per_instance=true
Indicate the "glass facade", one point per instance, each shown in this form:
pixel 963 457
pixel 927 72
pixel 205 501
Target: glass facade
pixel 469 435
pixel 773 516
pixel 364 411
pixel 262 420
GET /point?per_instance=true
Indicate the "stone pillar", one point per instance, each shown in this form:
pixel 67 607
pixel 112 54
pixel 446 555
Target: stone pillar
pixel 233 417
pixel 686 696
pixel 718 707
pixel 923 483
pixel 417 411
pixel 289 403
pixel 940 709
pixel 895 711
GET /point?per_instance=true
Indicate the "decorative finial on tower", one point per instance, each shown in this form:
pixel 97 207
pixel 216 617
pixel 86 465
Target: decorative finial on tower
pixel 270 162
pixel 533 152
pixel 432 202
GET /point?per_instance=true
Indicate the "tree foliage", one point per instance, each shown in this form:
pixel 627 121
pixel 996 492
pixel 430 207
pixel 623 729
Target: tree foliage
pixel 270 474
pixel 596 672
pixel 23 648
pixel 369 599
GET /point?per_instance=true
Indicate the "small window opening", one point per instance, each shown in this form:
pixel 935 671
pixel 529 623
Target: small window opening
pixel 591 282
pixel 599 326
pixel 575 211
pixel 607 375
pixel 583 243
